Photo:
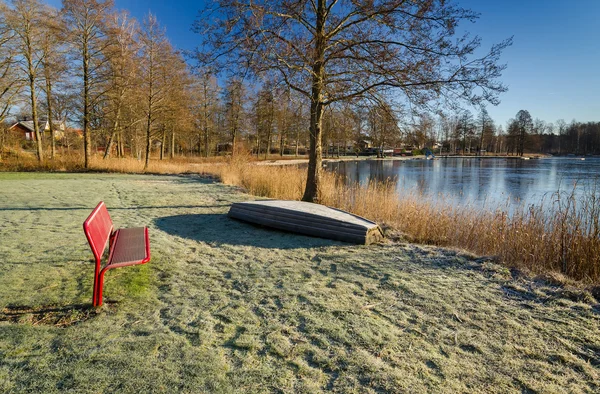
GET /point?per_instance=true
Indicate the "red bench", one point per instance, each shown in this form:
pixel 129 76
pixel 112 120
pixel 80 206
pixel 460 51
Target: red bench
pixel 127 246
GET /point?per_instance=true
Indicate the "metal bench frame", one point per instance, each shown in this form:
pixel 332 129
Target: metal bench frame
pixel 129 246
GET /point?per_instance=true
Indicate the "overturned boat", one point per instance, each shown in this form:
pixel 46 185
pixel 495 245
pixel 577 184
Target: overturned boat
pixel 308 219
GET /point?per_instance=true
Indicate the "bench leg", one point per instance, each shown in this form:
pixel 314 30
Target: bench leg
pixel 95 292
pixel 100 283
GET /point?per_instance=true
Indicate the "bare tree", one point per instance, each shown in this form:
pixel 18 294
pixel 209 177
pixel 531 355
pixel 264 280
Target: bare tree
pixel 383 126
pixel 86 20
pixel 175 110
pixel 123 71
pixel 54 64
pixel 205 105
pixel 154 48
pixel 465 128
pixel 484 122
pixel 233 101
pixel 10 82
pixel 562 128
pixel 27 19
pixel 330 51
pixel 524 125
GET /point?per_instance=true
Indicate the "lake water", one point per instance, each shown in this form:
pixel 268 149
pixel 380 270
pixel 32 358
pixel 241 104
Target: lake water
pixel 482 182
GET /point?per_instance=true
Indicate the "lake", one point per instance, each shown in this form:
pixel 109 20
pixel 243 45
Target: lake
pixel 489 182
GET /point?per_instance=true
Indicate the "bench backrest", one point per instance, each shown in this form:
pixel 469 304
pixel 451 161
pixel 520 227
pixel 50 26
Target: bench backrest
pixel 98 227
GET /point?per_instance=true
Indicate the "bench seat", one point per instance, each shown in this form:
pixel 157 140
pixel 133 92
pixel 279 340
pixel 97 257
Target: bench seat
pixel 129 247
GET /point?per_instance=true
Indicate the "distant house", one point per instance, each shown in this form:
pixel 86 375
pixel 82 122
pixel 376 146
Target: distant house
pixel 364 144
pixel 26 130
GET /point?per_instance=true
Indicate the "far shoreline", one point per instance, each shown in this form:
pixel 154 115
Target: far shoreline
pixel 286 162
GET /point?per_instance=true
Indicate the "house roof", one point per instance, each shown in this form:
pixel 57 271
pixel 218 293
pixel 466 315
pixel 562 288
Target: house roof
pixel 28 124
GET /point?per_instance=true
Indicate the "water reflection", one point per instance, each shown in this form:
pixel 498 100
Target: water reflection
pixel 478 181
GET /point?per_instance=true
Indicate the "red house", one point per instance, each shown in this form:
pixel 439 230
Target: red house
pixel 26 129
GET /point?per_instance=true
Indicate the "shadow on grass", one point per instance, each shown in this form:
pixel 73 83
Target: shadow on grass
pixel 220 229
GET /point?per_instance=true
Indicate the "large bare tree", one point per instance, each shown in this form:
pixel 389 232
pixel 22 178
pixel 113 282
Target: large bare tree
pixel 54 65
pixel 175 112
pixel 339 50
pixel 155 49
pixel 204 106
pixel 27 20
pixel 234 96
pixel 122 71
pixel 87 22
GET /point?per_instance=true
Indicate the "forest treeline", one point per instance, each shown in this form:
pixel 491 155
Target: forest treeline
pixel 122 89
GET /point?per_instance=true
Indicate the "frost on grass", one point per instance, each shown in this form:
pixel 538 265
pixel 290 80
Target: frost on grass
pixel 227 307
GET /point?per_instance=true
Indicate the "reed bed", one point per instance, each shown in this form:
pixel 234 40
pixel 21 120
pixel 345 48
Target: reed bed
pixel 559 236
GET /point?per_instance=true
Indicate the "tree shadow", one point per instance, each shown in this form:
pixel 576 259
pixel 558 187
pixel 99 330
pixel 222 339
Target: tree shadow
pixel 220 229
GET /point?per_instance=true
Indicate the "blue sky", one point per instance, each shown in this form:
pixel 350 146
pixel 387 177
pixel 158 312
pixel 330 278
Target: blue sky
pixel 553 65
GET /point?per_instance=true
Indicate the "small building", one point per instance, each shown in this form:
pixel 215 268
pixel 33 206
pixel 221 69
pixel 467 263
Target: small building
pixel 26 129
pixel 364 144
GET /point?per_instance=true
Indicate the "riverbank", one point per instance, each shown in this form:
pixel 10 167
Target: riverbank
pixel 292 161
pixel 547 239
pixel 227 307
pixel 559 239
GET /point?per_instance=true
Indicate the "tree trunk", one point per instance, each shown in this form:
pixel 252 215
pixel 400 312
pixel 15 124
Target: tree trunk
pixel 148 138
pixel 114 131
pixel 163 143
pixel 87 138
pixel 172 150
pixel 297 139
pixel 50 115
pixel 284 125
pixel 205 130
pixel 481 137
pixel 233 135
pixel 281 143
pixel 269 136
pixel 36 126
pixel 315 158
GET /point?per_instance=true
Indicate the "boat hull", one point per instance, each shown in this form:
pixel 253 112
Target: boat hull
pixel 308 219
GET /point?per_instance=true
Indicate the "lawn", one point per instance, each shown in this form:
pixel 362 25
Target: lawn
pixel 224 306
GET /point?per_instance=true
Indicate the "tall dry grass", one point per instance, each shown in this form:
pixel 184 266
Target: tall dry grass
pixel 561 235
pixel 25 161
